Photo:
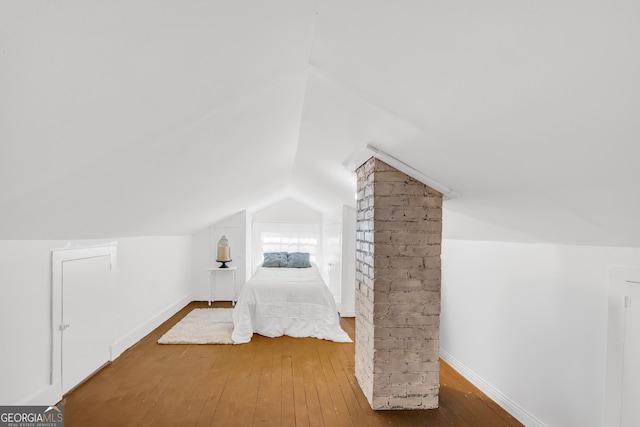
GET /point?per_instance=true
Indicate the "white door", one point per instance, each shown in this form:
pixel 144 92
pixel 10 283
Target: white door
pixel 85 318
pixel 630 415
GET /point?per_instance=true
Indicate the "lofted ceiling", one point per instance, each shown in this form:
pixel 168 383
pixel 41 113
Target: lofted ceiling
pixel 146 117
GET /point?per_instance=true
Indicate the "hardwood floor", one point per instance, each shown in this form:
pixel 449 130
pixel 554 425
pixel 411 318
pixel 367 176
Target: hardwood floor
pixel 267 382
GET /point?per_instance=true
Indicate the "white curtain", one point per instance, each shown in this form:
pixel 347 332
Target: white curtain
pixel 285 237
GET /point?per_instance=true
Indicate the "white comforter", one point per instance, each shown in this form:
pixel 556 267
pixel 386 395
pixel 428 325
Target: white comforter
pixel 287 301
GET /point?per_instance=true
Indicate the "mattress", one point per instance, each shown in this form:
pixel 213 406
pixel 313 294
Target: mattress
pixel 287 301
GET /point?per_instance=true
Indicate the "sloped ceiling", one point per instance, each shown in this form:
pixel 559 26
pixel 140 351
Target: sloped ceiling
pixel 159 117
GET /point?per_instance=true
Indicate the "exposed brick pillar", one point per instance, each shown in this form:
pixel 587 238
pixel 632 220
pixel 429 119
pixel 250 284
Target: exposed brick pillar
pixel 399 236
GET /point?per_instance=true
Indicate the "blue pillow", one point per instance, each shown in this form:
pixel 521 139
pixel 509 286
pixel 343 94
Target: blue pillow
pixel 298 260
pixel 275 259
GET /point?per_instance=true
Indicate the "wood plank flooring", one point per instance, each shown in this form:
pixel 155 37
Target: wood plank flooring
pixel 267 382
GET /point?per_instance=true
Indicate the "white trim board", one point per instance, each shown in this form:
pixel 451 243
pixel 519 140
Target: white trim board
pixel 496 395
pixel 360 157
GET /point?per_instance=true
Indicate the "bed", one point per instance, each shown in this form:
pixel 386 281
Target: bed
pixel 286 301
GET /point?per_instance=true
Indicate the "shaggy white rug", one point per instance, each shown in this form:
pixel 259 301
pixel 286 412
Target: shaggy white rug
pixel 202 326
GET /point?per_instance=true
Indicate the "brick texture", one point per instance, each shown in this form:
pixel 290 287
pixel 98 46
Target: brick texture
pixel 398 245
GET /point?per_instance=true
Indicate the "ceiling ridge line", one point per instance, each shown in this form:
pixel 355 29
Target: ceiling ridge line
pixel 315 12
pixel 358 95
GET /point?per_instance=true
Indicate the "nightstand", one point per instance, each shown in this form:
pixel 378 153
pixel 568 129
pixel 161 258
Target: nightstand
pixel 212 278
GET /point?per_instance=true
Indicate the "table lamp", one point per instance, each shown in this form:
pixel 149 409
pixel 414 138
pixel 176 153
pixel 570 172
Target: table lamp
pixel 224 252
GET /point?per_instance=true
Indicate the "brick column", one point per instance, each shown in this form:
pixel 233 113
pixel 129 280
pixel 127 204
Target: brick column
pixel 399 235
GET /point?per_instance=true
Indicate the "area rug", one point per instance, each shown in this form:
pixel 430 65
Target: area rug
pixel 202 326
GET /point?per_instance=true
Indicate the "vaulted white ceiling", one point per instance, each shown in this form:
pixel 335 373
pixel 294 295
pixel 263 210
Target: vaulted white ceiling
pixel 160 117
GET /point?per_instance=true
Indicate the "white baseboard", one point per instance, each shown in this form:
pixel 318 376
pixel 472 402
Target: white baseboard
pixel 118 347
pixel 496 395
pixel 46 396
pixel 347 314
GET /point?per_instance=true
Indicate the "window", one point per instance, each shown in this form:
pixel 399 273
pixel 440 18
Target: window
pixel 280 237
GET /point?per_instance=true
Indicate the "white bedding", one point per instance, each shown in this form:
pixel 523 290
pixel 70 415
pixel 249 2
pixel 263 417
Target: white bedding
pixel 287 301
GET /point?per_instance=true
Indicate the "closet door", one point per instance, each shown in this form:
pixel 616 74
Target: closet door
pixel 85 318
pixel 631 365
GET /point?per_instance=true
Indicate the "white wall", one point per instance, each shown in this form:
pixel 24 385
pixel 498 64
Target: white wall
pixel 288 211
pixel 528 324
pixel 205 244
pixel 331 268
pixel 153 283
pixel 339 253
